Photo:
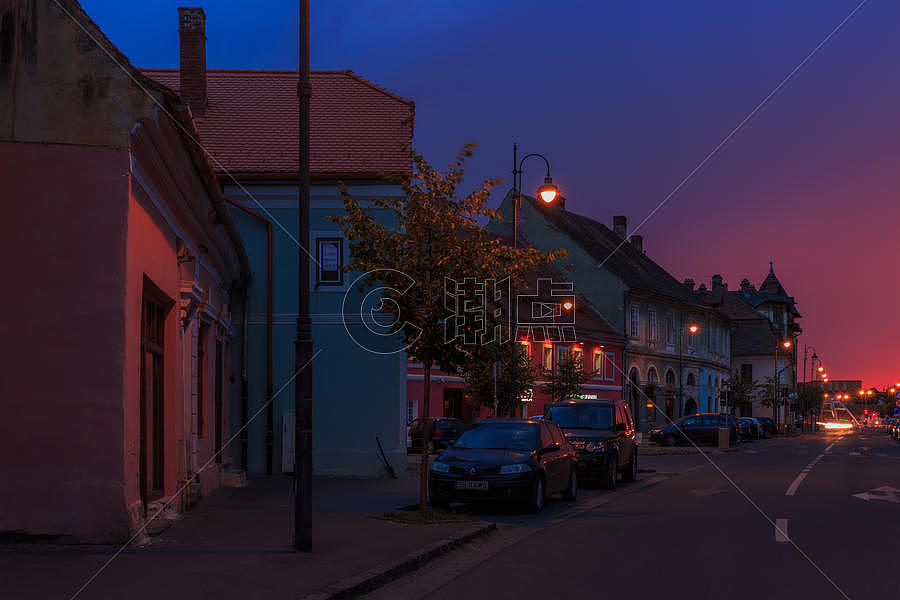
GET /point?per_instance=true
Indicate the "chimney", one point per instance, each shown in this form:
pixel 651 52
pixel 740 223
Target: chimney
pixel 638 242
pixel 689 284
pixel 619 226
pixel 716 281
pixel 192 33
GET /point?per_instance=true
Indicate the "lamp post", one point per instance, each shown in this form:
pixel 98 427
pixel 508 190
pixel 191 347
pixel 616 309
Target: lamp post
pixel 547 193
pixel 786 344
pixel 807 383
pixel 692 328
pixel 303 344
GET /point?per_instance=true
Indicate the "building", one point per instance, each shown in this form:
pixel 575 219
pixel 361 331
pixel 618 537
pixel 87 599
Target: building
pixel 669 371
pixel 248 122
pixel 579 329
pixel 127 265
pixel 765 320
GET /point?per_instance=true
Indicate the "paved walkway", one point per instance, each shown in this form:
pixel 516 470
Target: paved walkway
pixel 236 544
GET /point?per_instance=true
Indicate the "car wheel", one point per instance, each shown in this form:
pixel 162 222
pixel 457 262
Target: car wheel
pixel 630 472
pixel 536 503
pixel 612 473
pixel 571 492
pixel 670 440
pixel 430 446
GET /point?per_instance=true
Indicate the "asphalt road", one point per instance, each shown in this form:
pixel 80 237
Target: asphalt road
pixel 815 516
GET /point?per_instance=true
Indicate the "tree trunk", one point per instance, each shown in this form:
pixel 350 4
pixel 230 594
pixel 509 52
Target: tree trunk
pixel 423 471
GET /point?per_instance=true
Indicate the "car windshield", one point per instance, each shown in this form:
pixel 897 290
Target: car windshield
pixel 585 416
pixel 501 436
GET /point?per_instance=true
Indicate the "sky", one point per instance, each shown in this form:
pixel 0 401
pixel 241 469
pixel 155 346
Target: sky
pixel 626 99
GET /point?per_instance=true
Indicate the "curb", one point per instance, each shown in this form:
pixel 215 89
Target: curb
pixel 383 574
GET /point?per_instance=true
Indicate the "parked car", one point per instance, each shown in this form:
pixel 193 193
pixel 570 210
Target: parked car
pixel 768 426
pixel 750 428
pixel 602 433
pixel 505 460
pixel 699 429
pixel 443 431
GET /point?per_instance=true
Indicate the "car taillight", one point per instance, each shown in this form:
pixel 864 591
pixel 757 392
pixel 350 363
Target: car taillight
pixel 438 432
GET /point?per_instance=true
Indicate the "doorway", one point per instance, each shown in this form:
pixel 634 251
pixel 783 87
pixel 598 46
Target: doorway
pixel 152 412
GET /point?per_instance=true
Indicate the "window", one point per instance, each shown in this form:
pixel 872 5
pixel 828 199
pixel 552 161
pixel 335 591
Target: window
pixel 635 322
pixel 561 352
pixel 653 325
pixel 690 422
pixel 670 330
pixel 609 365
pixel 714 339
pixel 598 364
pixel 746 373
pixel 578 354
pixel 691 380
pixel 547 358
pixel 201 380
pixel 692 339
pixel 330 258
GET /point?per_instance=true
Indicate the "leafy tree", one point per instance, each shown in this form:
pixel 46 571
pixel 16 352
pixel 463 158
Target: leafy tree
pixel 436 238
pixel 741 390
pixel 478 374
pixel 568 379
pixel 810 398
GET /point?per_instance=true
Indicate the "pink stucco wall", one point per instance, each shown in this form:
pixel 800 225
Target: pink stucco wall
pixel 63 243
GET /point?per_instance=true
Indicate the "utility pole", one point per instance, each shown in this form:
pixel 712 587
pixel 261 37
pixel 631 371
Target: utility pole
pixel 303 344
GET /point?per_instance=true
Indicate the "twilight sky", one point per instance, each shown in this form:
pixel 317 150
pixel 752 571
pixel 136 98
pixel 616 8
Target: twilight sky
pixel 625 99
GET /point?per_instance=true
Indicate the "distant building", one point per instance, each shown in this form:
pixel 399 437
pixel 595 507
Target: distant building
pixel 765 319
pixel 248 121
pixel 668 371
pixel 125 269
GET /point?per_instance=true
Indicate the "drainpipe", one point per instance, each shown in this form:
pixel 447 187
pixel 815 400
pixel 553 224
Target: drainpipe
pixel 270 409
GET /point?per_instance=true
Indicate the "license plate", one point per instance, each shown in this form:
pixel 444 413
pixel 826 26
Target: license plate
pixel 471 485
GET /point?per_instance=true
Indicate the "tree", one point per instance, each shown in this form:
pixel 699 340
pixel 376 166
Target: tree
pixel 478 373
pixel 568 379
pixel 436 239
pixel 741 389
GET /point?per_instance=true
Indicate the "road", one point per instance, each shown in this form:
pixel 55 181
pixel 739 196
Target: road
pixel 815 516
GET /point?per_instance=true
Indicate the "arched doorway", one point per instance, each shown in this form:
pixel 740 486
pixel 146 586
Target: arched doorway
pixel 634 394
pixel 690 407
pixel 670 394
pixel 651 389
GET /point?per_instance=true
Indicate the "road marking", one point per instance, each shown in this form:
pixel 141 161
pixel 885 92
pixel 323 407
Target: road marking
pixel 864 448
pixel 829 447
pixel 887 493
pixel 751 451
pixel 880 454
pixel 708 492
pixel 792 489
pixel 854 454
pixel 781 531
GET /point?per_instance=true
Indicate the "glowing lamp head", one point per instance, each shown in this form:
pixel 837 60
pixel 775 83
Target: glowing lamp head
pixel 694 328
pixel 821 369
pixel 548 192
pixel 825 380
pixel 568 305
pixel 787 343
pixel 869 392
pixel 861 392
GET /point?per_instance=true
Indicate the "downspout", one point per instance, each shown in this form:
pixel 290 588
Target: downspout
pixel 244 387
pixel 270 409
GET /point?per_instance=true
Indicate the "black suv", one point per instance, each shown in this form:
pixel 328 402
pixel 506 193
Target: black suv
pixel 602 433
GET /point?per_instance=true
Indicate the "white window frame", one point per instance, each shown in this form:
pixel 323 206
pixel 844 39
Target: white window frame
pixel 653 325
pixel 598 358
pixel 635 322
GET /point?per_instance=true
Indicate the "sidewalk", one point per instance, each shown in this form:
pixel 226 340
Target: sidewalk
pixel 237 544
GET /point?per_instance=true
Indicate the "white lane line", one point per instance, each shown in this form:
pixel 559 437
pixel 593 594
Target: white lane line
pixel 854 454
pixel 792 489
pixel 781 531
pixel 829 447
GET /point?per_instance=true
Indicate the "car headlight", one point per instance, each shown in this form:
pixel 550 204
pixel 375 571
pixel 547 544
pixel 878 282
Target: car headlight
pixel 517 468
pixel 595 446
pixel 439 467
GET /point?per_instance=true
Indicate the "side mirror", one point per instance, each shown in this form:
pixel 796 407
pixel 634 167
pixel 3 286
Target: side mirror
pixel 620 427
pixel 554 447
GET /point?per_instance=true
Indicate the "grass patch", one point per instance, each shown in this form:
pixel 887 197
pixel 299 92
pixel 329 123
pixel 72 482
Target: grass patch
pixel 429 516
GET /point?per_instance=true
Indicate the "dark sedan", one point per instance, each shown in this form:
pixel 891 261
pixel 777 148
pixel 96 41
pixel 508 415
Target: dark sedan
pixel 697 429
pixel 505 460
pixel 441 433
pixel 768 426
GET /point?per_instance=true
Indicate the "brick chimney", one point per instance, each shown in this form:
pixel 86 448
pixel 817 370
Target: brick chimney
pixel 638 242
pixel 716 281
pixel 192 33
pixel 620 226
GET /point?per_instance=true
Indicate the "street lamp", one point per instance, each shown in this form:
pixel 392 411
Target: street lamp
pixel 547 193
pixel 786 344
pixel 692 328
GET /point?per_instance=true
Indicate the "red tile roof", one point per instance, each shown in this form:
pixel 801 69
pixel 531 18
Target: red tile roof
pixel 250 123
